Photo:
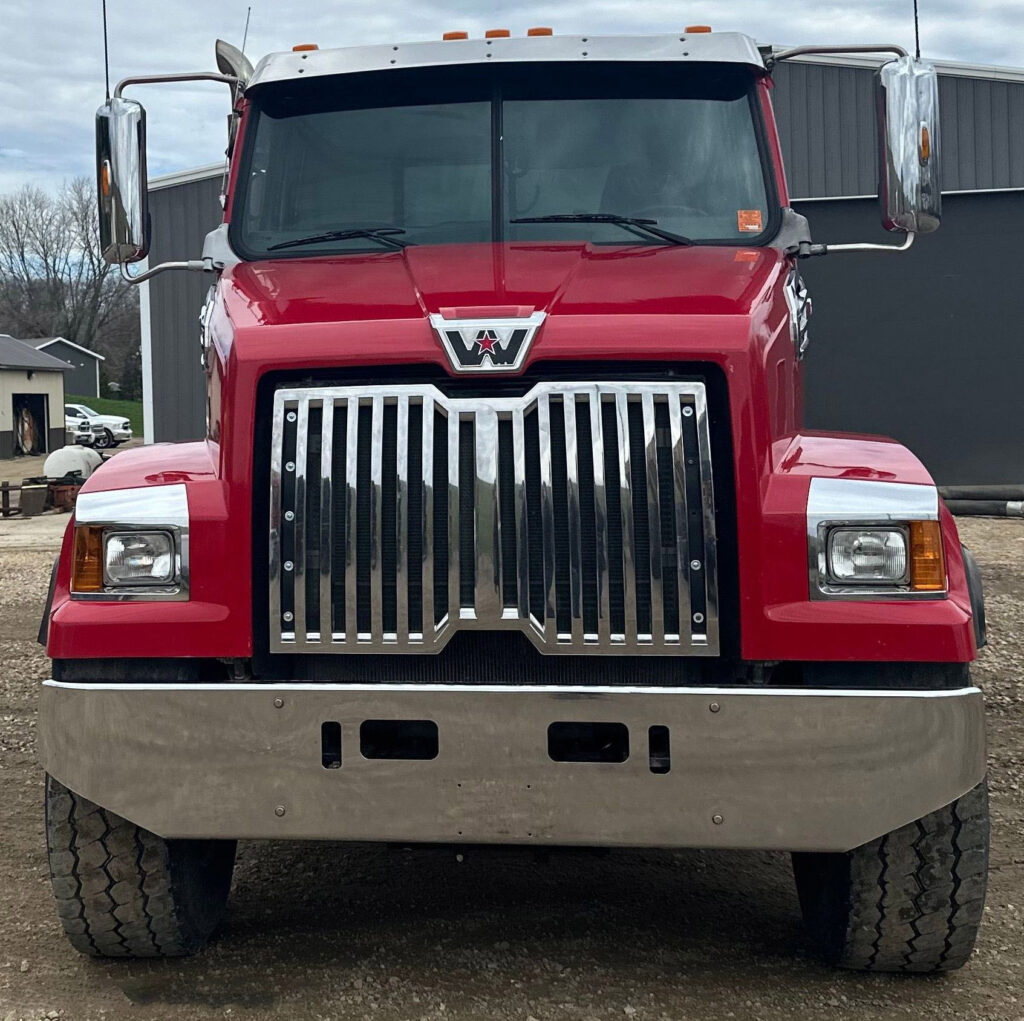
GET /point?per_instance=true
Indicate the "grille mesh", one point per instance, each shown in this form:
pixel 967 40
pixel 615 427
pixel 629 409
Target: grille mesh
pixel 580 514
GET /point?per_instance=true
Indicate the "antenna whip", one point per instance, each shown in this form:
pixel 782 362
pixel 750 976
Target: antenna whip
pixel 106 51
pixel 917 34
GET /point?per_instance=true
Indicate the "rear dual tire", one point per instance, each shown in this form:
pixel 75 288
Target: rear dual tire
pixel 122 891
pixel 910 901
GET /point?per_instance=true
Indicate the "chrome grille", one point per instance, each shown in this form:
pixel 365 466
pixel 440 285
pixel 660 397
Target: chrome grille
pixel 579 513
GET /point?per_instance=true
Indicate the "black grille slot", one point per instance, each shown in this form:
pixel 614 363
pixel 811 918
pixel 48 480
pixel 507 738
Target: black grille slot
pixel 467 546
pixel 415 509
pixel 441 497
pixel 576 514
pixel 563 617
pixel 339 505
pixel 668 550
pixel 616 589
pixel 588 519
pixel 364 501
pixel 507 510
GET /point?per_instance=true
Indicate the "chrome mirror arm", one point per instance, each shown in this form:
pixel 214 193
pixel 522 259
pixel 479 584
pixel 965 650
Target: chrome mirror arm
pixel 805 250
pixel 799 51
pixel 195 265
pixel 187 76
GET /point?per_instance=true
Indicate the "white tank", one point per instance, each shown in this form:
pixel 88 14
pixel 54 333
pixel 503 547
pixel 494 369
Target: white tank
pixel 71 459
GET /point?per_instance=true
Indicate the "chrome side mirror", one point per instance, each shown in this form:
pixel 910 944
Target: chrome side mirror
pixel 909 192
pixel 122 188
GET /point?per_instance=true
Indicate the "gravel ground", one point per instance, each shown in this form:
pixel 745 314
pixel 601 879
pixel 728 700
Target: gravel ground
pixel 330 931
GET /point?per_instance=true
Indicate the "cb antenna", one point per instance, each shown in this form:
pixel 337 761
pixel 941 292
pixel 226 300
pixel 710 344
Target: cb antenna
pixel 248 13
pixel 106 51
pixel 917 34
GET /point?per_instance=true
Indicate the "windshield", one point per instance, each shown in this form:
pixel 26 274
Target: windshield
pixel 461 154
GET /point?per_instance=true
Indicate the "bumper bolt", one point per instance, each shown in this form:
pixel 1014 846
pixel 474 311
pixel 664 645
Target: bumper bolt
pixel 278 703
pixel 279 811
pixel 694 565
pixel 714 707
pixel 717 819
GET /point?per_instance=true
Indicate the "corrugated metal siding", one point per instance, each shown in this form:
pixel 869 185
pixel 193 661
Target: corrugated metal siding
pixel 826 117
pixel 181 216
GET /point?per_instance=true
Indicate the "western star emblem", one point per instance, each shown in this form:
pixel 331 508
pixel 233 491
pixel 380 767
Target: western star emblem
pixel 487 345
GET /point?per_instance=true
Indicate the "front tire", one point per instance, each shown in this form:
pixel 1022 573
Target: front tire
pixel 104 440
pixel 122 891
pixel 910 901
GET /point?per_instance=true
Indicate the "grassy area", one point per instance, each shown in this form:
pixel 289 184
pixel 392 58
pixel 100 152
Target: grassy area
pixel 103 406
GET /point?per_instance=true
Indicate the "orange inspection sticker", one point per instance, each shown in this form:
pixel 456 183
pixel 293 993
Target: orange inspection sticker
pixel 749 221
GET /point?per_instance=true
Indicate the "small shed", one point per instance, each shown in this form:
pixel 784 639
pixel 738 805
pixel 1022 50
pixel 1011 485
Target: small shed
pixel 84 378
pixel 31 399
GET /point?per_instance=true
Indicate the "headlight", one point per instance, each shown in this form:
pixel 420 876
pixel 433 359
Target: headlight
pixel 866 555
pixel 138 558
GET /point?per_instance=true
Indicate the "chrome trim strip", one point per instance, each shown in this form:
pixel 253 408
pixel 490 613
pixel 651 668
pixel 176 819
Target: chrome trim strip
pixel 864 502
pixel 140 509
pixel 570 559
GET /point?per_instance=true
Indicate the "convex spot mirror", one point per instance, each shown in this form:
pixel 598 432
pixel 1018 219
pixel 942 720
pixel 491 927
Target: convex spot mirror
pixel 122 188
pixel 909 192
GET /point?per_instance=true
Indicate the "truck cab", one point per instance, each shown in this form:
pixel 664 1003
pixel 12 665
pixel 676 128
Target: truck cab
pixel 507 527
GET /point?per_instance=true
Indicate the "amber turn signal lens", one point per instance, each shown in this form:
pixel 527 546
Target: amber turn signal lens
pixel 540 30
pixel 87 564
pixel 697 29
pixel 448 36
pixel 497 33
pixel 927 561
pixel 926 143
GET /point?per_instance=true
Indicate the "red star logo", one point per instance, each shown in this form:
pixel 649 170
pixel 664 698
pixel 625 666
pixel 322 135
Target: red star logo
pixel 486 342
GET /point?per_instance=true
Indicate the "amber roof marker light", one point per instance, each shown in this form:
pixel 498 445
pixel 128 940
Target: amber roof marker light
pixel 497 33
pixel 540 30
pixel 697 29
pixel 449 36
pixel 302 47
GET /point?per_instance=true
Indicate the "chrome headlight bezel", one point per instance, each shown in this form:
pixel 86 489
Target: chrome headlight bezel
pixel 834 504
pixel 146 511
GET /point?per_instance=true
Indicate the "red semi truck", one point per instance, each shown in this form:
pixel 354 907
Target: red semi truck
pixel 506 527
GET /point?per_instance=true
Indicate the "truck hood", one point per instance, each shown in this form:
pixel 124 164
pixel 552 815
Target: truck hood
pixel 478 280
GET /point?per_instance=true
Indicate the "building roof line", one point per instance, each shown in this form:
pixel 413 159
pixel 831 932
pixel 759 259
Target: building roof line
pixel 70 343
pixel 186 176
pixel 947 68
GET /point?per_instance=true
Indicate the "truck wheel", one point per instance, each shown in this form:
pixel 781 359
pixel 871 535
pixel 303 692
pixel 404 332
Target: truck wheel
pixel 909 901
pixel 122 891
pixel 104 440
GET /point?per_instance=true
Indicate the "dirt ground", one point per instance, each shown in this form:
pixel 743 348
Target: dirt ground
pixel 330 931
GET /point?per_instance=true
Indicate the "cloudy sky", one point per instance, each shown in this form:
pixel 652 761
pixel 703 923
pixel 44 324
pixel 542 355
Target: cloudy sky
pixel 51 75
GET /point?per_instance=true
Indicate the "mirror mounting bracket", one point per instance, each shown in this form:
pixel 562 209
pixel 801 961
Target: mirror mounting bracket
pixel 806 250
pixel 799 51
pixel 195 265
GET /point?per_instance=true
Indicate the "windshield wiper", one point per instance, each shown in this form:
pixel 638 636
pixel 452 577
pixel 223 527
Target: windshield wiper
pixel 634 224
pixel 381 234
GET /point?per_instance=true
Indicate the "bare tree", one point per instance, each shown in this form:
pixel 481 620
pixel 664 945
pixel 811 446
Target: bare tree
pixel 53 278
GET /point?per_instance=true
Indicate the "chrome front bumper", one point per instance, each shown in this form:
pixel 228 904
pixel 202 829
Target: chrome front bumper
pixel 758 768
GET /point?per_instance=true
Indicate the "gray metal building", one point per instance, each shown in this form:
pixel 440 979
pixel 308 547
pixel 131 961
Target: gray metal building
pixel 84 378
pixel 924 346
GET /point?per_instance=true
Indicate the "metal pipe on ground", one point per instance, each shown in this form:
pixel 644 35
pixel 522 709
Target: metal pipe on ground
pixel 986 508
pixel 996 492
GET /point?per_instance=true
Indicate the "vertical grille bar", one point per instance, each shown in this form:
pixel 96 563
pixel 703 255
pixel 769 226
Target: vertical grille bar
pixel 427 523
pixel 402 519
pixel 454 575
pixel 487 518
pixel 376 520
pixel 658 627
pixel 600 520
pixel 547 512
pixel 572 476
pixel 326 517
pixel 352 528
pixel 626 505
pixel 299 572
pixel 522 526
pixel 675 424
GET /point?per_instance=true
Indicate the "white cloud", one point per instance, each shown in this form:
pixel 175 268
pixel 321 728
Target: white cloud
pixel 51 77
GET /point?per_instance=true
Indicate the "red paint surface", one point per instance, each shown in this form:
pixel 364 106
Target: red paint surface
pixel 627 303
